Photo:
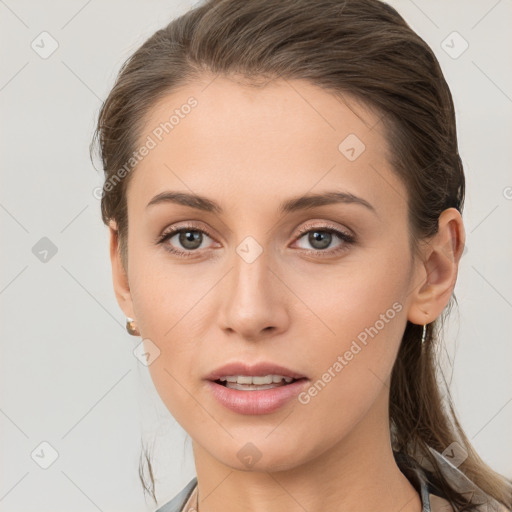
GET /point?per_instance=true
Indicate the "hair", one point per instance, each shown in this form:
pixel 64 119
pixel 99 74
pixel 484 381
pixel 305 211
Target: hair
pixel 360 49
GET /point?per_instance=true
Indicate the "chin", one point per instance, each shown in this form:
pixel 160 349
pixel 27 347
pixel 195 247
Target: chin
pixel 267 466
pixel 263 456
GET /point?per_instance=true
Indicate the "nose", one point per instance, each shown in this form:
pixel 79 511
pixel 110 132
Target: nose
pixel 254 299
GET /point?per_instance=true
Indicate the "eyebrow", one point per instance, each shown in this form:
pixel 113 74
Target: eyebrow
pixel 290 205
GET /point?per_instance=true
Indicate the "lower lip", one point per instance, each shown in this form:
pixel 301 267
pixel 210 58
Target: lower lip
pixel 256 402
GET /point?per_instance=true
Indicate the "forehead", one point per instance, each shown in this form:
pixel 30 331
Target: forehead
pixel 223 106
pixel 288 135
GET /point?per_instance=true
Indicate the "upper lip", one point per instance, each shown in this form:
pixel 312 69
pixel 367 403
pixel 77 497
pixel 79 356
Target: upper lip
pixel 256 370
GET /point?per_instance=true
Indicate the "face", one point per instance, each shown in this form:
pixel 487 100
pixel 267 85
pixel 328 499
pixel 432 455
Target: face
pixel 322 291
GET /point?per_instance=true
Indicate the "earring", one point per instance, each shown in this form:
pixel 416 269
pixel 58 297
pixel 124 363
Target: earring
pixel 131 327
pixel 424 334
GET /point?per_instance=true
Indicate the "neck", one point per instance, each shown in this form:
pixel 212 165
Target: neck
pixel 357 473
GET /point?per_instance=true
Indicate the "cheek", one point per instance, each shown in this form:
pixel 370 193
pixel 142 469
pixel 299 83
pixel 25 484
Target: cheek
pixel 358 299
pixel 170 303
pixel 164 294
pixel 171 376
pixel 363 316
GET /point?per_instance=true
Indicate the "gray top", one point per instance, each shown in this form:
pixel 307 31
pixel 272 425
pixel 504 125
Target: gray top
pixel 421 478
pixel 177 503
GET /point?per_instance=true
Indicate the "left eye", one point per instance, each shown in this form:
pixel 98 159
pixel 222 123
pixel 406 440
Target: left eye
pixel 320 238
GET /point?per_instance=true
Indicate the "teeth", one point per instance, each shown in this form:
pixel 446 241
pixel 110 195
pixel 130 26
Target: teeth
pixel 247 379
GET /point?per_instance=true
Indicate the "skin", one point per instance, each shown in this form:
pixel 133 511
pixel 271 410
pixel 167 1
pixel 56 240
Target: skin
pixel 249 149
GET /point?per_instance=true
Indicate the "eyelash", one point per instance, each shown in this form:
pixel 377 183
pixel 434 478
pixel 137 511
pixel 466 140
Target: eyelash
pixel 345 237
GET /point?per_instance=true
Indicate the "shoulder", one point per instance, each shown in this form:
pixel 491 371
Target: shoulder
pixel 177 503
pixel 438 504
pixel 477 499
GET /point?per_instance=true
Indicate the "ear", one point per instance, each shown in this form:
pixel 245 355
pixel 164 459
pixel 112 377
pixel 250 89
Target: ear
pixel 119 276
pixel 437 272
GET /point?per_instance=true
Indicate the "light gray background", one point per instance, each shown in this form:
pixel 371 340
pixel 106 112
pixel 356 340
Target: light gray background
pixel 68 375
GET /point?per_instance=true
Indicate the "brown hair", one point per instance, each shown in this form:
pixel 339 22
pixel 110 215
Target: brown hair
pixel 359 48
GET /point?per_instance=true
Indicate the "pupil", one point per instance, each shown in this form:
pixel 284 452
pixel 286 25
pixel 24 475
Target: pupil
pixel 189 239
pixel 320 236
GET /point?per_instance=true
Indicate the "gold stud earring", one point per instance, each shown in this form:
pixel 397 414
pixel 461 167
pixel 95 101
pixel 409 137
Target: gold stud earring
pixel 131 327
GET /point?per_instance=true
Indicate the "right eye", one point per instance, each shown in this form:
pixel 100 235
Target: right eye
pixel 189 237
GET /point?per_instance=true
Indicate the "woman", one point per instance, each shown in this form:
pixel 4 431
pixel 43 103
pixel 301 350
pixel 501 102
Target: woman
pixel 284 194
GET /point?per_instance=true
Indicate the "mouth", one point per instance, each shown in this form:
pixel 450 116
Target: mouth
pixel 257 388
pixel 250 398
pixel 255 383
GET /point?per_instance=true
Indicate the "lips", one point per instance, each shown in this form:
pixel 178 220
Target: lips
pixel 255 370
pixel 255 399
pixel 255 402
